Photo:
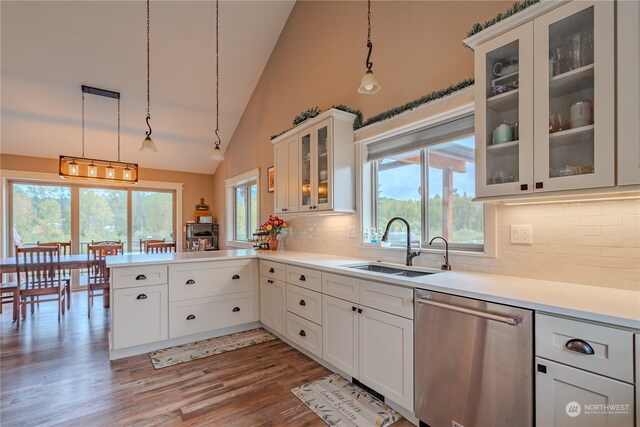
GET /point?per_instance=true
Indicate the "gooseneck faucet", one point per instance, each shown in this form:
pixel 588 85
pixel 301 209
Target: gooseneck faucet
pixel 446 265
pixel 410 254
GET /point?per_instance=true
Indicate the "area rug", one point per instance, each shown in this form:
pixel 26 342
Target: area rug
pixel 339 403
pixel 199 349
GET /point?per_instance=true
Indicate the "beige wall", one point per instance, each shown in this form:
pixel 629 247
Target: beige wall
pixel 319 60
pixel 196 185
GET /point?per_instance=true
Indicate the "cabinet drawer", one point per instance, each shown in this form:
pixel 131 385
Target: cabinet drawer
pixel 310 279
pixel 389 298
pixel 139 315
pixel 304 303
pixel 272 270
pixel 612 348
pixel 346 288
pixel 306 334
pixel 206 314
pixel 128 277
pixel 206 279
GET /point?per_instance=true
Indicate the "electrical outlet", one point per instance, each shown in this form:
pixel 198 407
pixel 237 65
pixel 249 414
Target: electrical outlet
pixel 351 231
pixel 521 234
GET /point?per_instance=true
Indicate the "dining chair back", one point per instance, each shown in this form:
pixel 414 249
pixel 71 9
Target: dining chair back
pixel 40 280
pixel 144 243
pixel 157 248
pixel 97 271
pixel 65 249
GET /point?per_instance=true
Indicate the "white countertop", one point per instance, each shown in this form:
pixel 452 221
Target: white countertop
pixel 607 305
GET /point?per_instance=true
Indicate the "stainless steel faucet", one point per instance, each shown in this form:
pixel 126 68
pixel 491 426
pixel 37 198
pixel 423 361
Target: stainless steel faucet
pixel 410 254
pixel 446 265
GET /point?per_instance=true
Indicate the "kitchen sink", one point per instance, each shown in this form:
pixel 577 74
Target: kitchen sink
pixel 391 271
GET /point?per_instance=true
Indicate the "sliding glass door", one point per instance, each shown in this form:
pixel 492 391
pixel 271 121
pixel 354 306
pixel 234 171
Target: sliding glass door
pixel 103 216
pixel 41 213
pixel 151 217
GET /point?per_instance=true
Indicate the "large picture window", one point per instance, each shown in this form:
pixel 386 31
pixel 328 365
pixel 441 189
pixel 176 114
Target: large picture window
pixel 428 178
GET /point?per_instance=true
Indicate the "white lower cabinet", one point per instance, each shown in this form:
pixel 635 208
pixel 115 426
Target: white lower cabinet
pixel 273 304
pixel 305 333
pixel 139 315
pixel 340 334
pixel 566 396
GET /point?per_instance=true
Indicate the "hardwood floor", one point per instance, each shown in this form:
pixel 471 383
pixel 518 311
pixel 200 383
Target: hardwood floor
pixel 60 374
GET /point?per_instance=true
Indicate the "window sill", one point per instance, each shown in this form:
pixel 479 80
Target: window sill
pixel 425 250
pixel 239 244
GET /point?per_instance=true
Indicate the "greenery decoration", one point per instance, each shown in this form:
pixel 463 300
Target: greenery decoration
pixel 518 6
pixel 305 115
pixel 418 102
pixel 357 123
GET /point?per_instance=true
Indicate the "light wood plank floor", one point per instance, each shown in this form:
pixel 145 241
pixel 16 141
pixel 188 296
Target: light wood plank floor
pixel 60 374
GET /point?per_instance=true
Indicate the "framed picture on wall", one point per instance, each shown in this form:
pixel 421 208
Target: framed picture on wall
pixel 271 179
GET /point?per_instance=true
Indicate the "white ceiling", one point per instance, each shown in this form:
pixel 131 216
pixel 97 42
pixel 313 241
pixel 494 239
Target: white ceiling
pixel 50 48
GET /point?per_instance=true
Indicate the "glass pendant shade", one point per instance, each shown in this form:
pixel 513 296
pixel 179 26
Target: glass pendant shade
pixel 110 172
pixel 217 154
pixel 92 170
pixel 148 146
pixel 74 169
pixel 369 84
pixel 126 174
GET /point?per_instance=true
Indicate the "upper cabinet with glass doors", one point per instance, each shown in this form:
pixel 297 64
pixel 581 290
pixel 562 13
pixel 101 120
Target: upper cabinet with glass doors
pixel 545 100
pixel 324 162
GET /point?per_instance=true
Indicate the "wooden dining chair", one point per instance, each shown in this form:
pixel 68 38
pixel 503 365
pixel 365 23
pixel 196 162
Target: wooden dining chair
pixel 106 242
pixel 39 271
pixel 158 248
pixel 65 249
pixel 98 273
pixel 144 243
pixel 9 294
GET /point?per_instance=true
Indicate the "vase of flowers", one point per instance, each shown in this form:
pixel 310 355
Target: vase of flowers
pixel 274 226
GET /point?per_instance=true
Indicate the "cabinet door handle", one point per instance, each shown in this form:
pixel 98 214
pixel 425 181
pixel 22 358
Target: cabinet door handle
pixel 359 310
pixel 141 296
pixel 236 309
pixel 542 369
pixel 310 207
pixel 302 278
pixel 302 302
pixel 579 346
pixel 524 187
pixel 353 308
pixel 191 317
pixel 271 270
pixel 235 277
pixel 141 277
pixel 190 282
pixel 270 281
pixel 302 333
pixel 539 184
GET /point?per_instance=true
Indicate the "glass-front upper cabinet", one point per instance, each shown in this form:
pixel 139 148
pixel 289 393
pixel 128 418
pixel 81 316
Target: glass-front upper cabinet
pixel 504 113
pixel 574 97
pixel 316 167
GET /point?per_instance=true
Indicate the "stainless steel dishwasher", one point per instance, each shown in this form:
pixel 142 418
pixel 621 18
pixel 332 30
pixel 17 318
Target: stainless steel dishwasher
pixel 473 362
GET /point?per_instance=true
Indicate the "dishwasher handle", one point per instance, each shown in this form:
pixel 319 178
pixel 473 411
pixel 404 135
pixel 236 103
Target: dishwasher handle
pixel 512 321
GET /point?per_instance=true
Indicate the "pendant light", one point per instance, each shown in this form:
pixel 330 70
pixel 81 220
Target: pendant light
pixel 147 144
pixel 217 152
pixel 369 84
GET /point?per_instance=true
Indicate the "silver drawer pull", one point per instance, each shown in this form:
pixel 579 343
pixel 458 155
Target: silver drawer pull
pixel 191 317
pixel 579 346
pixel 513 321
pixel 141 277
pixel 141 296
pixel 190 282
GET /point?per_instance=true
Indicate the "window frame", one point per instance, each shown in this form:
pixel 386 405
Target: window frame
pixel 246 179
pixel 248 205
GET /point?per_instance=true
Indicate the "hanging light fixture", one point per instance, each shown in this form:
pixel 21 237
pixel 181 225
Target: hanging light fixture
pixel 369 84
pixel 96 169
pixel 217 152
pixel 147 144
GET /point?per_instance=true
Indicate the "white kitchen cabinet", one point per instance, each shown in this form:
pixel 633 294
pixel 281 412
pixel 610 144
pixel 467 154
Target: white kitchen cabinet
pixel 287 175
pixel 340 334
pixel 139 315
pixel 385 346
pixel 304 303
pixel 273 304
pixel 192 281
pixel 321 152
pixel 561 95
pixel 637 344
pixel 628 33
pixel 305 333
pixel 566 396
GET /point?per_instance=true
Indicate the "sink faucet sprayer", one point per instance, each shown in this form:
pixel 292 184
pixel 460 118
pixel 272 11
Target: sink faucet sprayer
pixel 410 254
pixel 446 265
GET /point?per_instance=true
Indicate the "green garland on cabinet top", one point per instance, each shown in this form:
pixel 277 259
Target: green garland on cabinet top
pixel 518 6
pixel 314 111
pixel 305 115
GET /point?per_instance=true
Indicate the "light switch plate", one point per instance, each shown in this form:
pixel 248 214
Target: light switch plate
pixel 521 234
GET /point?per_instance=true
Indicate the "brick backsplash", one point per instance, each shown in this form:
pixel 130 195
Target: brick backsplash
pixel 593 243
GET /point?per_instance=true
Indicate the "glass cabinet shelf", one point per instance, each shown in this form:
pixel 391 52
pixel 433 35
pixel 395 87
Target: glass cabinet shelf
pixel 504 149
pixel 571 136
pixel 504 101
pixel 572 81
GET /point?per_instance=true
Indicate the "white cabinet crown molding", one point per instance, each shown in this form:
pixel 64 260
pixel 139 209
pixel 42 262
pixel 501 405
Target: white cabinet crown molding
pixel 333 112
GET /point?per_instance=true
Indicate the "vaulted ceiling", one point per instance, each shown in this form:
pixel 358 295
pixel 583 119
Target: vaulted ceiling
pixel 50 48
